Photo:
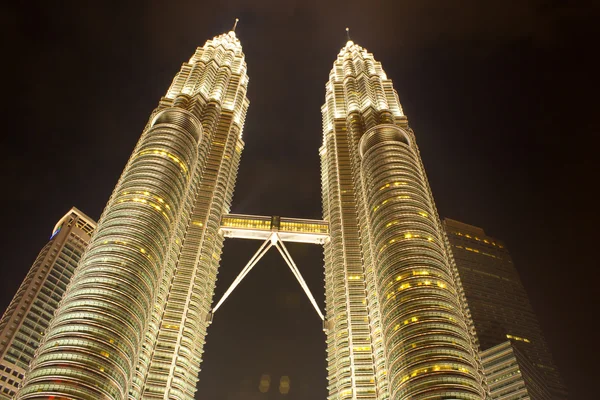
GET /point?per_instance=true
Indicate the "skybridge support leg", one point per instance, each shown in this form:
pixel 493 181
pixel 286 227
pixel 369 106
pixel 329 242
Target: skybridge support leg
pixel 273 240
pixel 290 262
pixel 255 258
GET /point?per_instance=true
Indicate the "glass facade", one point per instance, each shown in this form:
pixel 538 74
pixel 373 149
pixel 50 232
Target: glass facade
pixel 28 315
pixel 511 375
pixel 499 304
pixel 397 322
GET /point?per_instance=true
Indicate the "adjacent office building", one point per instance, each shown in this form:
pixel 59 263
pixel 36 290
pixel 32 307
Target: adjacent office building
pixel 26 319
pixel 512 376
pixel 501 312
pixel 396 320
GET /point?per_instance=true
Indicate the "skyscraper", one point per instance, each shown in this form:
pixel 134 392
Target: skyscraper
pixel 397 323
pixel 27 317
pixel 511 375
pixel 499 304
pixel 133 321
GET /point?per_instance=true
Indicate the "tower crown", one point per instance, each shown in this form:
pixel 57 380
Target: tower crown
pixel 216 71
pixel 358 84
pixel 228 40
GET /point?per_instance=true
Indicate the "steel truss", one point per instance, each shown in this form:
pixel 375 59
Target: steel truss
pixel 273 241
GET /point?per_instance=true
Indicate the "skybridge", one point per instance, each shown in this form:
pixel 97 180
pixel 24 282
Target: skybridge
pixel 288 229
pixel 273 231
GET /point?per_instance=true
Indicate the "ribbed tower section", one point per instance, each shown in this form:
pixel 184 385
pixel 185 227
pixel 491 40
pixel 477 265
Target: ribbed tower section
pixel 215 82
pixel 133 320
pixel 397 322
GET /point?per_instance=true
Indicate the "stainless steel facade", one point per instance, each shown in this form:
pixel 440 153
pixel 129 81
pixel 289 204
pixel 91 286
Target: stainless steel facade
pixel 397 323
pixel 499 304
pixel 133 321
pixel 28 315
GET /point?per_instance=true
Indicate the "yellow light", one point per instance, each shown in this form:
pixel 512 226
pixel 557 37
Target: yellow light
pixel 265 383
pixel 284 385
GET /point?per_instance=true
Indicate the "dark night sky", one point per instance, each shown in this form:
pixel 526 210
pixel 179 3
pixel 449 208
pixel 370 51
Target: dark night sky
pixel 502 97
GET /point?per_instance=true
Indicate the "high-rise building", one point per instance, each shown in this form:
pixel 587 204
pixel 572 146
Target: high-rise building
pixel 133 321
pixel 511 375
pixel 498 302
pixel 397 323
pixel 27 317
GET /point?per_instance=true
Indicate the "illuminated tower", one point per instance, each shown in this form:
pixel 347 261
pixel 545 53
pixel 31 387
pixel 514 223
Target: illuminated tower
pixel 396 319
pixel 27 317
pixel 133 321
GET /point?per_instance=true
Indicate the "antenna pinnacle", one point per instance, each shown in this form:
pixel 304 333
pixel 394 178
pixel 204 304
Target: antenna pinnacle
pixel 235 24
pixel 348 33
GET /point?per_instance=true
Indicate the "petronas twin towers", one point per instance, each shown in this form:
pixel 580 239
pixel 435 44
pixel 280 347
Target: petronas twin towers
pixel 133 321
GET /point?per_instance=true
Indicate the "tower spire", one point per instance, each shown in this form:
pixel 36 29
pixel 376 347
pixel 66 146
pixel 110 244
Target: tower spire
pixel 348 34
pixel 235 24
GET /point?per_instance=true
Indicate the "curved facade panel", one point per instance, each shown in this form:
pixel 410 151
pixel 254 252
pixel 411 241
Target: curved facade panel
pixel 426 336
pixel 98 329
